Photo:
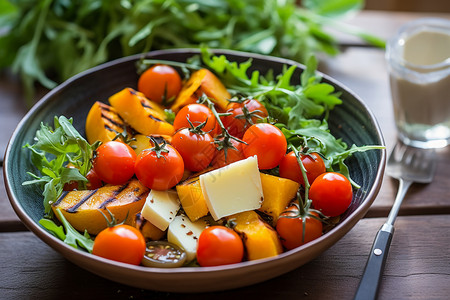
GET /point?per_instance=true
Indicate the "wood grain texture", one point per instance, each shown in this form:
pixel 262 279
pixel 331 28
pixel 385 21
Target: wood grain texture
pixel 417 268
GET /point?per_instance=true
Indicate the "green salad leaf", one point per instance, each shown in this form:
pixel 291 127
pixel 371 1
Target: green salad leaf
pixel 49 41
pixel 54 149
pixel 67 233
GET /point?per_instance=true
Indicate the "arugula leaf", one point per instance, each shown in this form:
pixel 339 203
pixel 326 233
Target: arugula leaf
pixel 68 234
pixel 53 150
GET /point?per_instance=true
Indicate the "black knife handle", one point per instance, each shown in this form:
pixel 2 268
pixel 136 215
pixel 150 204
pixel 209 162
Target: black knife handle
pixel 370 281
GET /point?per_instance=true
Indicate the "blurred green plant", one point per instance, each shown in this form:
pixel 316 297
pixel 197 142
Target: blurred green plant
pixel 49 41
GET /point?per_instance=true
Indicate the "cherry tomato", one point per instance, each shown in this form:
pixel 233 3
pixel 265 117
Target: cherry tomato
pixel 160 83
pixel 312 162
pixel 267 142
pixel 331 193
pixel 233 155
pixel 114 162
pixel 237 123
pixel 197 114
pixel 219 245
pixel 159 173
pixel 122 243
pixel 94 182
pixel 290 230
pixel 196 149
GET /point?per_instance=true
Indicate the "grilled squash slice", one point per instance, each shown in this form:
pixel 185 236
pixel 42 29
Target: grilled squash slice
pixel 192 199
pixel 260 239
pixel 278 193
pixel 141 114
pixel 202 82
pixel 103 123
pixel 81 208
pixel 141 142
pixel 148 230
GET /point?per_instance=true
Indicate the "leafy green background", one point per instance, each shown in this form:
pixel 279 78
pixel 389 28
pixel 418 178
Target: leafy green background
pixel 49 41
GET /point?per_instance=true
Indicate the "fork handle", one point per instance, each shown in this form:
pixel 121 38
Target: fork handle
pixel 368 286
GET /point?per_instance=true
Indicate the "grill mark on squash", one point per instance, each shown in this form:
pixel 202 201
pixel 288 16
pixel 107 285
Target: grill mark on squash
pixel 63 195
pixel 114 195
pixel 112 121
pixel 74 208
pixel 140 196
pixel 146 105
pixel 154 118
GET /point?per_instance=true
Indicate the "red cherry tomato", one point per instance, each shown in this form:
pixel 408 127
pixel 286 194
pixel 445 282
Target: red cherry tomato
pixel 160 83
pixel 237 123
pixel 159 173
pixel 219 245
pixel 267 142
pixel 290 230
pixel 122 243
pixel 197 114
pixel 114 162
pixel 233 155
pixel 94 182
pixel 196 149
pixel 312 162
pixel 331 193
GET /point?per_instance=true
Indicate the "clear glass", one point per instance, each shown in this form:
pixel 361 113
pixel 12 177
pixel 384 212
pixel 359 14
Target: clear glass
pixel 418 58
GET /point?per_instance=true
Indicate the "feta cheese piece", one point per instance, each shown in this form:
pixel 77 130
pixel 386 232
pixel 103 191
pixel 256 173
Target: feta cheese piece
pixel 160 208
pixel 184 233
pixel 232 189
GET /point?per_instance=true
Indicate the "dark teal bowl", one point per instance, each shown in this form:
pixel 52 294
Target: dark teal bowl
pixel 352 121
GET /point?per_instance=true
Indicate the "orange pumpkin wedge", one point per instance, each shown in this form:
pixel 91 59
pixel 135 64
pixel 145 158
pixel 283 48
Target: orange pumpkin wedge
pixel 202 82
pixel 103 123
pixel 81 208
pixel 141 114
pixel 260 239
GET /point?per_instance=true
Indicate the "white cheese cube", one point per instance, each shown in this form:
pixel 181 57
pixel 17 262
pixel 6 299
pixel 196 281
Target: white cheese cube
pixel 184 233
pixel 160 208
pixel 232 189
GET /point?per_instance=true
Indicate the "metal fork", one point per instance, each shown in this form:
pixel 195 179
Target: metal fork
pixel 408 165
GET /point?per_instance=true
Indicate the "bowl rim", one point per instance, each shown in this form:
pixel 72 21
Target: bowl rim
pixel 70 252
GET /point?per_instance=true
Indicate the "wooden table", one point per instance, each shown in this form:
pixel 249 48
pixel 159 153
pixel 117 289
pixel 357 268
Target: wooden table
pixel 418 265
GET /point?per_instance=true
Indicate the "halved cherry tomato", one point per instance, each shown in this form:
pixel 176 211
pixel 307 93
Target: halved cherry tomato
pixel 331 193
pixel 114 162
pixel 197 114
pixel 243 115
pixel 122 243
pixel 163 254
pixel 197 149
pixel 291 230
pixel 219 245
pixel 160 83
pixel 267 142
pixel 312 162
pixel 159 169
pixel 232 156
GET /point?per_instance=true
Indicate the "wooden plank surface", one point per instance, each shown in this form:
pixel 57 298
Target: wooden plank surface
pixel 416 268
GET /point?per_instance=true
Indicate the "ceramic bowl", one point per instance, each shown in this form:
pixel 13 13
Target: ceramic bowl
pixel 352 121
